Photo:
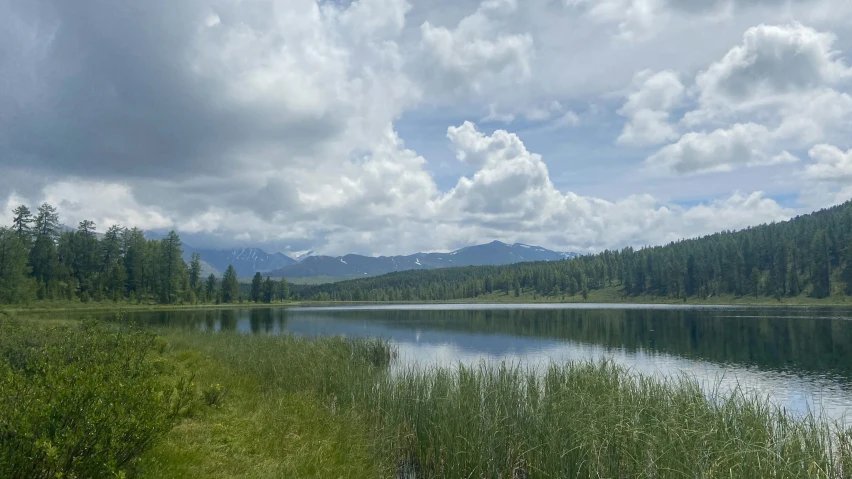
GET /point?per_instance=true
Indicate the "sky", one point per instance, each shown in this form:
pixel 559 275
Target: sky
pixel 397 126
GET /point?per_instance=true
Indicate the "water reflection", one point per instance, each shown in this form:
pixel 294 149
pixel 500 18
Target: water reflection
pixel 802 356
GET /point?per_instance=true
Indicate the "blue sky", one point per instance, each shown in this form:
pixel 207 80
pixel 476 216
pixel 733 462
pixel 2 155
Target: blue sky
pixel 395 126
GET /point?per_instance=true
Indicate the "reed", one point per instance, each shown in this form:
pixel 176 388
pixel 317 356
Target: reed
pixel 571 420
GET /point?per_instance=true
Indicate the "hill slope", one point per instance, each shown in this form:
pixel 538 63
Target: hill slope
pixel 246 261
pixel 494 253
pixel 807 255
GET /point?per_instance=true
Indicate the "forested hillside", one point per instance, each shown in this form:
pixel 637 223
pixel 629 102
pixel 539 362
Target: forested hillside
pixel 40 259
pixel 808 255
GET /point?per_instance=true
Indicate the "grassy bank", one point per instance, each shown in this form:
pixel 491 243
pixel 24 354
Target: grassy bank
pixel 58 307
pixel 609 295
pixel 266 406
pixel 575 420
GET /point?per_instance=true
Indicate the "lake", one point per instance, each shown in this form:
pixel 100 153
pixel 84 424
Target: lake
pixel 802 357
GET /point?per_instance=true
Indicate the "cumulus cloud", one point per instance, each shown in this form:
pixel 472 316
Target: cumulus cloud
pixel 387 199
pixel 720 150
pixel 172 92
pixel 647 108
pixel 107 204
pixel 772 61
pixel 476 56
pixel 774 92
pixel 830 164
pixel 280 123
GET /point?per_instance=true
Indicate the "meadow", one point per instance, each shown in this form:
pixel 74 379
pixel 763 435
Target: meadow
pixel 79 399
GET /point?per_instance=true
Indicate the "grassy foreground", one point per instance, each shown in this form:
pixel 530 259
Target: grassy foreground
pixel 262 406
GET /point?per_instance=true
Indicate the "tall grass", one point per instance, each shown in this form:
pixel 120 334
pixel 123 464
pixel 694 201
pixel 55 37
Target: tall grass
pixel 573 420
pixel 284 414
pixel 595 420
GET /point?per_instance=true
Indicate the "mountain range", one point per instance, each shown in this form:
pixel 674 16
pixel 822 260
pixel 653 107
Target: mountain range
pixel 247 261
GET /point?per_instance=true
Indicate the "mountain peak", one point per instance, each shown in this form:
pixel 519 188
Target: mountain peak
pixel 353 265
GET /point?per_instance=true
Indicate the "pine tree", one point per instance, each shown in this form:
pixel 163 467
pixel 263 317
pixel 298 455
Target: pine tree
pixel 15 284
pixel 43 257
pixel 268 290
pixel 230 286
pixel 22 221
pixel 210 287
pixel 173 267
pixel 820 268
pixel 195 272
pixel 256 287
pixel 283 290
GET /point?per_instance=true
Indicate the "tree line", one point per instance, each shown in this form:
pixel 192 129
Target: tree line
pixel 809 255
pixel 41 259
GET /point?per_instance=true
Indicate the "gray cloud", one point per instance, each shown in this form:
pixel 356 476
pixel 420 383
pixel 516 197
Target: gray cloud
pixel 272 122
pixel 108 89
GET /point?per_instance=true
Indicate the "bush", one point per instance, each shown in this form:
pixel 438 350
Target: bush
pixel 214 395
pixel 80 401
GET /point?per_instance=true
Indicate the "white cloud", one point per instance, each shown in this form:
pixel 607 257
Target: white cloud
pixel 107 204
pixel 494 115
pixel 647 108
pixel 386 203
pixel 475 56
pixel 276 123
pixel 774 92
pixel 567 120
pixel 830 164
pixel 772 61
pixel 720 150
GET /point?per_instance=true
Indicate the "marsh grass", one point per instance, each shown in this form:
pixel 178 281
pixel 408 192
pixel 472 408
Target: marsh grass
pixel 596 420
pixel 81 400
pixel 283 415
pixel 571 420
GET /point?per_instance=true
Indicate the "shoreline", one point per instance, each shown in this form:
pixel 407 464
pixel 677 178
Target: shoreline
pixel 497 300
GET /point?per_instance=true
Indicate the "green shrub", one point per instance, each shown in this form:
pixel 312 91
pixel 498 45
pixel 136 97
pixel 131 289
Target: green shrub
pixel 214 395
pixel 80 401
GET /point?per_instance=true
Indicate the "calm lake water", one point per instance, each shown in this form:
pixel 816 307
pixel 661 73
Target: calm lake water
pixel 802 357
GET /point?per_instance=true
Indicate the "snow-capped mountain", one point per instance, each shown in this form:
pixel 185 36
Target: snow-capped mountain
pixel 353 265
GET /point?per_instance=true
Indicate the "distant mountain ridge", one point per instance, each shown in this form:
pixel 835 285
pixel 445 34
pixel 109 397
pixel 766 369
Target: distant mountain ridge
pixel 247 261
pixel 353 265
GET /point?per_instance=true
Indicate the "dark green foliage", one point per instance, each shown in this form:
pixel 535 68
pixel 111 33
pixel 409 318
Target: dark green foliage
pixel 195 271
pixel 22 220
pixel 15 284
pixel 80 401
pixel 38 260
pixel 283 290
pixel 256 287
pixel 806 255
pixel 230 286
pixel 268 290
pixel 210 287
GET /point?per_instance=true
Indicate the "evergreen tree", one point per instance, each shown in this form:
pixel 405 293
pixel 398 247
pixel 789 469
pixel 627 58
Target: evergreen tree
pixel 173 268
pixel 210 287
pixel 268 290
pixel 230 286
pixel 22 221
pixel 283 290
pixel 15 284
pixel 195 272
pixel 820 267
pixel 43 255
pixel 256 287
